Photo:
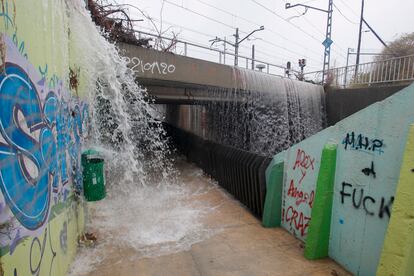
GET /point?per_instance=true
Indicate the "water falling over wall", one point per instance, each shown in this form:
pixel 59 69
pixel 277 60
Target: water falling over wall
pixel 122 127
pixel 147 209
pixel 262 113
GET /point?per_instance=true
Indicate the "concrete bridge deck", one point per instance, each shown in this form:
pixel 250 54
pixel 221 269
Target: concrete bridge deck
pixel 171 78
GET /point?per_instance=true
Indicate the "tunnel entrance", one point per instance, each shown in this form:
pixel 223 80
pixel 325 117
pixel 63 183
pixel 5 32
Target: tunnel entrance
pixel 240 172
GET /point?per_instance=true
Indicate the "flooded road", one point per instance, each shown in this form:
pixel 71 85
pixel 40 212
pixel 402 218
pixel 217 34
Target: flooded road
pixel 193 228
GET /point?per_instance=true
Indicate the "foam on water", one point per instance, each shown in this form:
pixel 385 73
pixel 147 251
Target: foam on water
pixel 151 221
pixel 147 209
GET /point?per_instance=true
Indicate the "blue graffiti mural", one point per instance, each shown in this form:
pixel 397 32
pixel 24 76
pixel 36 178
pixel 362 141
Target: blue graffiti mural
pixel 40 146
pixel 18 94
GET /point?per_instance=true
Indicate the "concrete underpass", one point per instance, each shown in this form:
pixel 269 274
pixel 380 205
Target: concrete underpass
pixel 117 159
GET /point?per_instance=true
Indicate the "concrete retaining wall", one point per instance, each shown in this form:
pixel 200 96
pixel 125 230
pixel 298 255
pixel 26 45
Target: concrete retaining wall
pixel 41 123
pixel 341 103
pixel 369 154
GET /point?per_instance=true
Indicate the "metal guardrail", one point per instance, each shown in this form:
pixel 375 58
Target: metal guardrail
pixel 387 71
pixel 240 172
pixel 250 63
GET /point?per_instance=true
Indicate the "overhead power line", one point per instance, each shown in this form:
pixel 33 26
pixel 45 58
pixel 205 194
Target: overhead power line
pixel 224 11
pixel 301 15
pixel 294 25
pixel 154 33
pixel 257 25
pixel 200 14
pixel 286 49
pixel 282 18
pixel 249 21
pixel 310 23
pixel 169 23
pixel 351 9
pixel 233 27
pixel 265 54
pixel 183 27
pixel 343 15
pixel 204 16
pixel 283 59
pixel 211 36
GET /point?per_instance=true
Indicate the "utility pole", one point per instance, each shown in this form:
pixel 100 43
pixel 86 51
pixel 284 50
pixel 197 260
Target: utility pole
pixel 348 54
pixel 347 63
pixel 328 40
pixel 224 45
pixel 359 37
pixel 361 22
pixel 236 48
pixel 237 42
pixel 253 57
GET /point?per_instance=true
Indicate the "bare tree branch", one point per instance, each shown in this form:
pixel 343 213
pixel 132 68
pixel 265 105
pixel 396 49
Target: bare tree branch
pixel 115 20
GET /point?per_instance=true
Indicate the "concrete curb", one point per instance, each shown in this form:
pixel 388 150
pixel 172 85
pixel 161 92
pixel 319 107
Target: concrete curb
pixel 273 203
pixel 398 251
pixel 317 241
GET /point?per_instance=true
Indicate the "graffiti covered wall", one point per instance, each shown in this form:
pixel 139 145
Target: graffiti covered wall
pixel 369 155
pixel 42 122
pixel 301 172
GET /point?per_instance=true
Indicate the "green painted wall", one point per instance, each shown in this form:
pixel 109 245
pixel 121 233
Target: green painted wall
pixel 273 202
pixel 317 241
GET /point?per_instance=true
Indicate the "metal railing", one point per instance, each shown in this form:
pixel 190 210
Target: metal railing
pixel 383 72
pixel 187 48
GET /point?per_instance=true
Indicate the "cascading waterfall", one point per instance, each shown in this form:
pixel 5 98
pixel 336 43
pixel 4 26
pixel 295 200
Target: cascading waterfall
pixel 146 208
pixel 120 118
pixel 263 114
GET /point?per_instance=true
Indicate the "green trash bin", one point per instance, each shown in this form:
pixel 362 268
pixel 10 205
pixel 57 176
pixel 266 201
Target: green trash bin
pixel 93 175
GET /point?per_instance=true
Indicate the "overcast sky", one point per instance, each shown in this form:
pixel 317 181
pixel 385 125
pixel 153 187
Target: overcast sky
pixel 281 41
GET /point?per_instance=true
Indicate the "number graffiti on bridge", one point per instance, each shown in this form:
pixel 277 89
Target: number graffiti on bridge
pixel 139 66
